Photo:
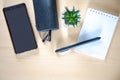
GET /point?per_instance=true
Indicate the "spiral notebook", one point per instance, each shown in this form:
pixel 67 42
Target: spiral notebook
pixel 97 24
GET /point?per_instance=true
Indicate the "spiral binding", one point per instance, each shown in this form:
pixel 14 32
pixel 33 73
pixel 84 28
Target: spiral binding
pixel 102 13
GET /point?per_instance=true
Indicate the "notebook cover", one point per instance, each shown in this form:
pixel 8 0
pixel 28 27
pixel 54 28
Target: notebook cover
pixel 45 14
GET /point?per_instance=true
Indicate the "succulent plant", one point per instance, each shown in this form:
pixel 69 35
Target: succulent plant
pixel 71 17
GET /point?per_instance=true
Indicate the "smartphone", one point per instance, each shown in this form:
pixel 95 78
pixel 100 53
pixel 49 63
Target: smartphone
pixel 20 28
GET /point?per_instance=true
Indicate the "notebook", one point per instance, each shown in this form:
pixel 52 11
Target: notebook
pixel 46 15
pixel 97 24
pixel 20 28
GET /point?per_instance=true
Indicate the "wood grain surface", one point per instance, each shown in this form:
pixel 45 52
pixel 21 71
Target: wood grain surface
pixel 44 64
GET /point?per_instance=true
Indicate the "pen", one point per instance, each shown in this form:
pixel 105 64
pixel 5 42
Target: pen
pixel 77 44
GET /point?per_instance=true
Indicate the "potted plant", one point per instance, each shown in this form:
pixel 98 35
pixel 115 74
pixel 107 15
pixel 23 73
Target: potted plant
pixel 71 17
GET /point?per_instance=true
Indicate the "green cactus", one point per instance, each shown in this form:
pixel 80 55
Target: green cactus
pixel 71 17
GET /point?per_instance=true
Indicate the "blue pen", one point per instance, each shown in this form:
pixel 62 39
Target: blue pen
pixel 77 44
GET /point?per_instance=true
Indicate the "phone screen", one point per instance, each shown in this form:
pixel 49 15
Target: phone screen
pixel 20 28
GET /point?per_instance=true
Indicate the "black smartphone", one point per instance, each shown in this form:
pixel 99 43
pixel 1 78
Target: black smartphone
pixel 20 28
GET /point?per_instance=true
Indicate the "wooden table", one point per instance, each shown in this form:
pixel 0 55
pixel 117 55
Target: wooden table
pixel 44 64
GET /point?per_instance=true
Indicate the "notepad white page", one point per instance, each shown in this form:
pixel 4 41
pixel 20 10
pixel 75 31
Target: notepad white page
pixel 97 24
